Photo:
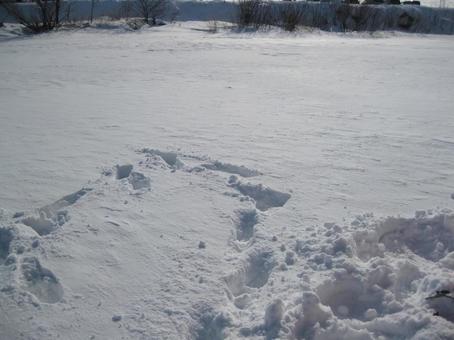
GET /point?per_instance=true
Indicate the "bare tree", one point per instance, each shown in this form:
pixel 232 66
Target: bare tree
pixel 291 16
pixel 126 9
pixel 150 10
pixel 92 9
pixel 247 12
pixel 44 16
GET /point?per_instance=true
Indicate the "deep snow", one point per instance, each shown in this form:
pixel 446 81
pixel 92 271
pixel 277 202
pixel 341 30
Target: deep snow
pixel 255 175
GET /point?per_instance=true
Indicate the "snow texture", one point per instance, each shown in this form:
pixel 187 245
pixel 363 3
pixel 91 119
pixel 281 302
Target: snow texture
pixel 240 185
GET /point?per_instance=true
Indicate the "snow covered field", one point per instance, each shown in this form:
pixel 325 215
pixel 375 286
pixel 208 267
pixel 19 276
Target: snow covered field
pixel 264 167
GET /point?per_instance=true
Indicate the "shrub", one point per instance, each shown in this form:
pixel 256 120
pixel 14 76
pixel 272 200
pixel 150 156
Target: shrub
pixel 247 12
pixel 264 15
pixel 291 16
pixel 151 10
pixel 256 13
pixel 44 16
pixel 126 9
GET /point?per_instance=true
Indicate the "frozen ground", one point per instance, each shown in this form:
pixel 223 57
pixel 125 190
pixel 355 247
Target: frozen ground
pixel 334 132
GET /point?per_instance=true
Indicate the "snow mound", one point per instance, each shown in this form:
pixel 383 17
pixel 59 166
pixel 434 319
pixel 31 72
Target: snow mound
pixel 358 295
pixel 430 237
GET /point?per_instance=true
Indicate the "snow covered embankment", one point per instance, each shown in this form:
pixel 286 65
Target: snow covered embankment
pixel 183 246
pixel 339 17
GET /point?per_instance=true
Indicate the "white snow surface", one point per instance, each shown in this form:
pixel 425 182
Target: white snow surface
pixel 171 183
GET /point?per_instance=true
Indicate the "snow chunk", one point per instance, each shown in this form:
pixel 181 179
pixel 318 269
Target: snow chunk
pixel 210 323
pixel 310 314
pixel 429 237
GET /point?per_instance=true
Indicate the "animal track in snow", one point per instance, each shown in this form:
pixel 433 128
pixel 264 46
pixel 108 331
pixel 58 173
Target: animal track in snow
pixel 254 272
pixel 40 281
pixel 245 221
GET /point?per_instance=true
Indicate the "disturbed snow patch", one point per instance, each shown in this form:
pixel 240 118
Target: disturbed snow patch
pixel 171 158
pixel 430 237
pixel 231 169
pixel 137 180
pixel 40 281
pixel 104 234
pixel 50 217
pixel 264 197
pixel 366 280
pixel 209 322
pixel 22 272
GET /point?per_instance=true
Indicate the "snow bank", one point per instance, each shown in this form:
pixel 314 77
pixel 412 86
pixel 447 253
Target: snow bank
pixel 341 17
pixel 326 16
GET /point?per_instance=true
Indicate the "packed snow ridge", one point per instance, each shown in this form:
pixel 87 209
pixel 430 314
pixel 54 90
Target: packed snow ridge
pixel 181 246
